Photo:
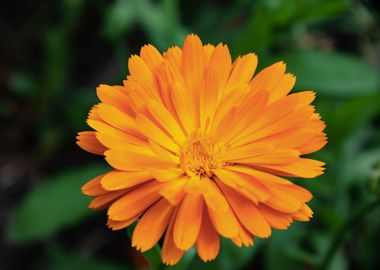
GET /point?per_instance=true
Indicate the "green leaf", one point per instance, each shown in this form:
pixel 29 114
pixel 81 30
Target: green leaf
pixel 365 163
pixel 160 21
pixel 304 11
pixel 284 251
pixel 277 258
pixel 339 262
pixel 359 111
pixel 258 33
pixel 332 74
pixel 318 11
pixel 334 246
pixel 54 205
pixel 119 18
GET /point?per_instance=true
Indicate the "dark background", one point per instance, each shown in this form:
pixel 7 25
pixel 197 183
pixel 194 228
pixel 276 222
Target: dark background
pixel 53 54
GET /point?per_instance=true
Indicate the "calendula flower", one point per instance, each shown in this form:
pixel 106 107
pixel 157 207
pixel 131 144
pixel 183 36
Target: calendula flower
pixel 200 149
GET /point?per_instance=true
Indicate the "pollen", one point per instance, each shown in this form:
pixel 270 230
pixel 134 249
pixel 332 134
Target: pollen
pixel 200 157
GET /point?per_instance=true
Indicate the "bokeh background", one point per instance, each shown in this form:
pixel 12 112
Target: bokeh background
pixel 53 54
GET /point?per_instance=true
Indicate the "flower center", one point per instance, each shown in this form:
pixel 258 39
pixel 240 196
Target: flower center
pixel 200 157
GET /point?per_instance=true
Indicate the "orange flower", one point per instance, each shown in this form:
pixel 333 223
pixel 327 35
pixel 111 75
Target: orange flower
pixel 200 149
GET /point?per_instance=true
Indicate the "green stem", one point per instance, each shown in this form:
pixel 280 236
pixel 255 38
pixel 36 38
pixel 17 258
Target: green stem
pixel 346 227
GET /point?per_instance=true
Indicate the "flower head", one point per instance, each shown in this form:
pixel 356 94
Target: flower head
pixel 200 149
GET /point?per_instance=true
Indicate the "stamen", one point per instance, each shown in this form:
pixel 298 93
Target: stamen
pixel 200 157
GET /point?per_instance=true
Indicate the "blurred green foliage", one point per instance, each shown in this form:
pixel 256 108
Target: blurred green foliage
pixel 319 70
pixel 52 205
pixel 332 46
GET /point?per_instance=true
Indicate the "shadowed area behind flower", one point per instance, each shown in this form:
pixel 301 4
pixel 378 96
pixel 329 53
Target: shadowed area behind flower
pixel 55 56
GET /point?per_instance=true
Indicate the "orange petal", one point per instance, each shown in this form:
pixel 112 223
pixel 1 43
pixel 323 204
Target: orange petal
pixel 115 96
pixel 282 201
pixel 298 192
pixel 194 185
pixel 304 214
pixel 166 120
pixel 188 221
pixel 121 144
pixel 277 156
pixel 110 131
pixel 170 253
pixel 246 151
pixel 224 222
pixel 130 161
pixel 221 62
pixel 208 49
pixel 106 199
pixel 290 138
pixel 282 88
pixel 163 153
pixel 135 201
pixel 314 144
pixel 93 114
pixel 208 242
pixel 260 175
pixel 243 184
pixel 301 167
pixel 143 76
pixel 94 187
pixel 247 213
pixel 250 108
pixel 118 225
pixel 294 119
pixel 174 54
pixel 166 174
pixel 276 219
pixel 208 97
pixel 117 118
pixel 151 57
pixel 152 225
pixel 305 98
pixel 116 180
pixel 192 61
pixel 184 107
pixel 88 142
pixel 268 77
pixel 274 112
pixel 244 238
pixel 242 71
pixel 213 196
pixel 173 191
pixel 152 131
pixel 224 107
